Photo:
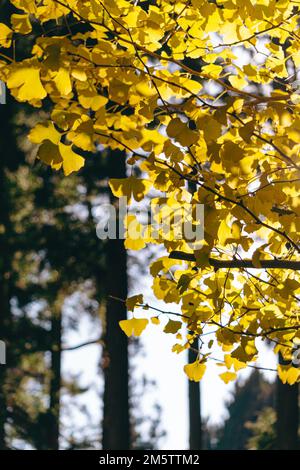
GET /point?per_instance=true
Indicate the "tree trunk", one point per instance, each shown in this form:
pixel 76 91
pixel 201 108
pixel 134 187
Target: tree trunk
pixel 4 313
pixel 195 423
pixel 287 409
pixel 9 160
pixel 55 382
pixel 7 146
pixel 116 423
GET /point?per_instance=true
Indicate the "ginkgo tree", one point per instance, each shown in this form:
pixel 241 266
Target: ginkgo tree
pixel 200 94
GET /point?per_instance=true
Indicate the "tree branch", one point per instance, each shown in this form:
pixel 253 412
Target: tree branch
pixel 83 345
pixel 240 263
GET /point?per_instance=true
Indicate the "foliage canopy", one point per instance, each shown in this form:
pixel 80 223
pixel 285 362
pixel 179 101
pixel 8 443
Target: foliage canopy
pixel 202 95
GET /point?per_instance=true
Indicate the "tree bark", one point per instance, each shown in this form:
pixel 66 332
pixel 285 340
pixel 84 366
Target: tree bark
pixel 240 263
pixel 7 146
pixel 116 422
pixel 195 421
pixel 4 313
pixel 55 381
pixel 10 158
pixel 287 409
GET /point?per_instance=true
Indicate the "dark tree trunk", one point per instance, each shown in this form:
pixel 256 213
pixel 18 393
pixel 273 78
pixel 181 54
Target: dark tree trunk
pixel 10 157
pixel 116 423
pixel 55 381
pixel 4 318
pixel 195 423
pixel 287 409
pixel 8 154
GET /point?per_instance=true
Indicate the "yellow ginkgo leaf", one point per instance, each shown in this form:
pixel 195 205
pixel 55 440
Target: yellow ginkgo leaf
pixel 293 375
pixel 82 134
pixel 135 234
pixel 179 131
pixel 25 83
pixel 172 326
pixel 224 232
pixel 195 371
pixel 256 258
pixel 133 327
pixel 231 361
pixel 44 131
pixel 79 75
pixel 130 187
pixel 5 35
pixel 63 81
pixel 238 81
pixel 134 300
pixel 92 100
pixel 21 23
pixel 71 160
pixel 228 376
pixel 26 5
pixel 288 374
pixel 212 70
pixel 49 154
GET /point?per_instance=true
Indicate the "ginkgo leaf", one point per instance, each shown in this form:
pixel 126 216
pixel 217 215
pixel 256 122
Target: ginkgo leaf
pixel 133 327
pixel 63 81
pixel 238 81
pixel 44 131
pixel 231 361
pixel 183 282
pixel 228 376
pixel 256 258
pixel 135 234
pixel 71 160
pixel 203 314
pixel 293 375
pixel 257 255
pixel 181 133
pixel 212 70
pixel 26 5
pixel 59 155
pixel 224 232
pixel 288 374
pixel 92 100
pixel 82 134
pixel 25 83
pixel 134 300
pixel 135 245
pixel 130 187
pixel 50 154
pixel 195 371
pixel 172 326
pixel 21 23
pixel 6 35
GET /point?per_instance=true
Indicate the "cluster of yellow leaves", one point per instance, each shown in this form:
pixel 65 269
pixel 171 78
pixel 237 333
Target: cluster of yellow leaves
pixel 205 124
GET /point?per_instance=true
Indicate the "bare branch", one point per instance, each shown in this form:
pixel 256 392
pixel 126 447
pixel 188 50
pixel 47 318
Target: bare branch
pixel 82 345
pixel 240 263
